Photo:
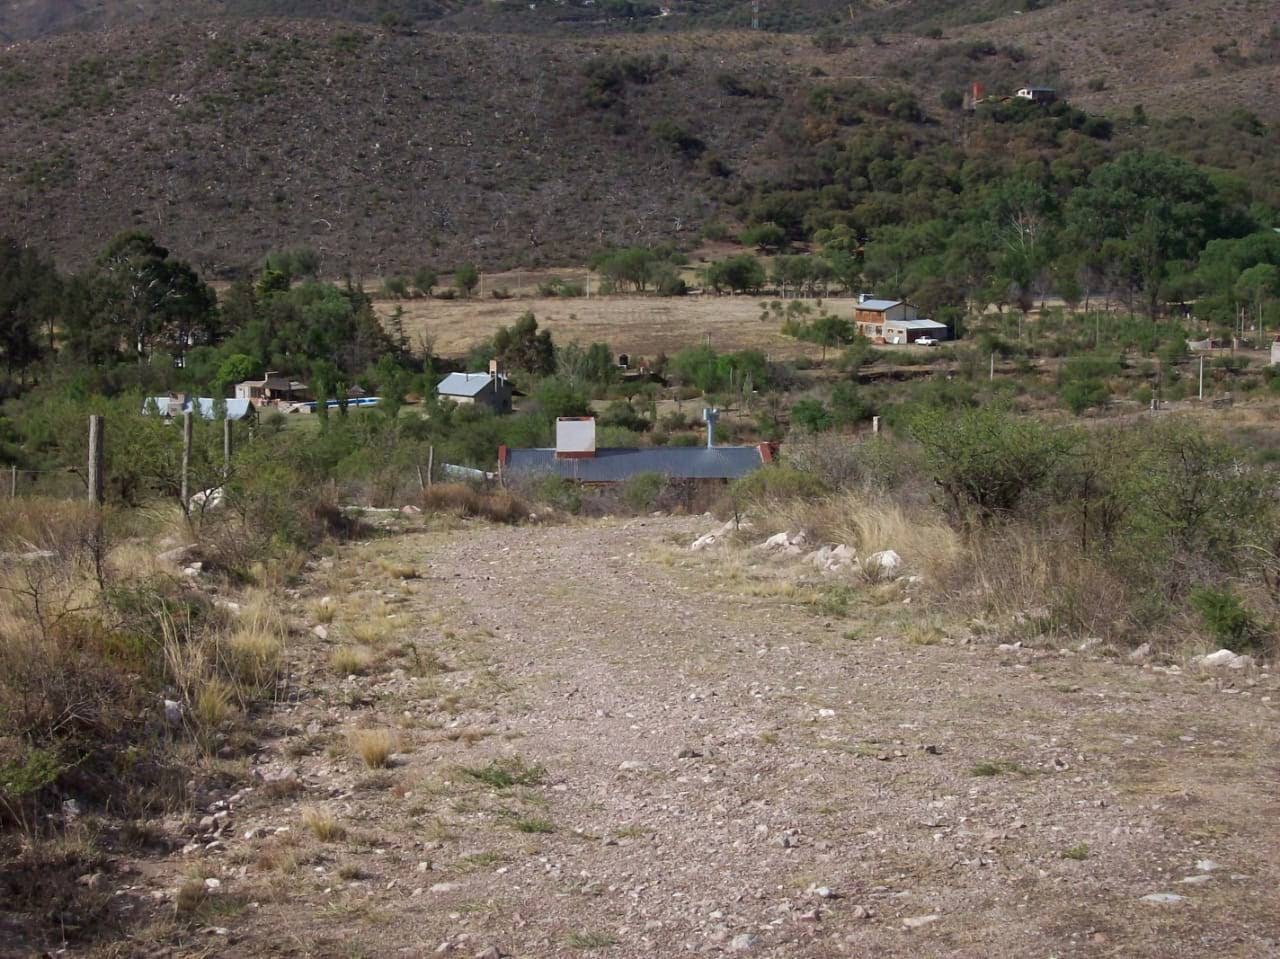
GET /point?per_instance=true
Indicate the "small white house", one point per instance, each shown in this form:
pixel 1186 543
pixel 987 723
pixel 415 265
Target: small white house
pixel 492 389
pixel 1038 94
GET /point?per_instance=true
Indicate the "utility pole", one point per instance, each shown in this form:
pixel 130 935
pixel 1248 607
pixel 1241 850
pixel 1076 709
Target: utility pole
pixel 992 377
pixel 1201 376
pixel 755 14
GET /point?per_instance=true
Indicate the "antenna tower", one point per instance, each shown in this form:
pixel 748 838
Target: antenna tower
pixel 755 14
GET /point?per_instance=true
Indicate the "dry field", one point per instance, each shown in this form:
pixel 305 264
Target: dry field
pixel 586 740
pixel 637 325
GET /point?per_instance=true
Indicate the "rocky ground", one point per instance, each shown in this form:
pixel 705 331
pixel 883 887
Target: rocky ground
pixel 603 743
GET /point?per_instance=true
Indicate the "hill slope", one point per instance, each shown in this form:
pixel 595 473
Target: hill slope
pixel 385 148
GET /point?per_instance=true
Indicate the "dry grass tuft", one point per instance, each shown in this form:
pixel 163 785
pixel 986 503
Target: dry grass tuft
pixel 461 500
pixel 350 660
pixel 323 824
pixel 923 539
pixel 374 746
pixel 214 704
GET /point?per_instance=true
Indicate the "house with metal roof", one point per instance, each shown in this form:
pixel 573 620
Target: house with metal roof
pixel 1038 94
pixel 894 321
pixel 492 389
pixel 575 457
pixel 175 404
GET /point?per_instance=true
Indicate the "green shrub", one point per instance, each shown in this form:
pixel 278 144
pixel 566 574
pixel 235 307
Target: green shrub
pixel 641 492
pixel 1231 624
pixel 777 481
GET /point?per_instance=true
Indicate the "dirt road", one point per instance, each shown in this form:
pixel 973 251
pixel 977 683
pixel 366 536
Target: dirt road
pixel 661 766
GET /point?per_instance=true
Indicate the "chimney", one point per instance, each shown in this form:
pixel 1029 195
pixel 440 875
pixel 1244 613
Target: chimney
pixel 978 92
pixel 494 369
pixel 575 437
pixel 711 414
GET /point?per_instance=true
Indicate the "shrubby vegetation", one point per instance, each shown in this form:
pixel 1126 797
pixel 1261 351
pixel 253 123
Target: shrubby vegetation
pixel 1130 532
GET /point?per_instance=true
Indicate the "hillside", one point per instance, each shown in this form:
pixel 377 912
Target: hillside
pixel 460 139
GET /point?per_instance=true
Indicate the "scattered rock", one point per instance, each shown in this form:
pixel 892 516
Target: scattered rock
pixel 410 510
pixel 172 712
pixel 917 922
pixel 882 565
pixel 1223 658
pixel 1163 898
pixel 743 942
pixel 1197 879
pixel 711 539
pixel 489 952
pixel 320 630
pixel 1207 865
pixel 179 555
pixel 1141 654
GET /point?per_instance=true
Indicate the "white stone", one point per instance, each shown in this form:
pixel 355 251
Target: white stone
pixel 1163 898
pixel 916 922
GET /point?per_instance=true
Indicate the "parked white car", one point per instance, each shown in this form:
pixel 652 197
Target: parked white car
pixel 926 341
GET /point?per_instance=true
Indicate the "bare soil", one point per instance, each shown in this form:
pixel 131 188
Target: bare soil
pixel 704 771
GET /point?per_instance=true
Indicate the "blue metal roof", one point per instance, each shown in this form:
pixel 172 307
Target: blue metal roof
pixel 464 384
pixel 617 465
pixel 202 406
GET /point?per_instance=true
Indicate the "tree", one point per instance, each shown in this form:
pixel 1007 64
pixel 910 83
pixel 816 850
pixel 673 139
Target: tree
pixel 522 346
pixel 811 415
pixel 1154 209
pixel 1257 286
pixel 30 289
pixel 236 368
pixel 741 274
pixel 984 460
pixel 425 280
pixel 466 279
pixel 635 267
pixel 766 237
pixel 151 299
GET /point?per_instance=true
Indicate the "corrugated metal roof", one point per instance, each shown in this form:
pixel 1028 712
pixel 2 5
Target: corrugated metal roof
pixel 878 306
pixel 616 465
pixel 918 324
pixel 202 406
pixel 463 384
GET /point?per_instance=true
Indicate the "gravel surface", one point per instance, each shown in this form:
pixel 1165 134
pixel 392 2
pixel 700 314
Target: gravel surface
pixel 701 771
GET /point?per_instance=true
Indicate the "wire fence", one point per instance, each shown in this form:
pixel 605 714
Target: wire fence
pixel 50 484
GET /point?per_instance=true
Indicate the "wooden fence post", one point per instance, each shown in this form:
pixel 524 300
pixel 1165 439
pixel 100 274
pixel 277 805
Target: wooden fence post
pixel 226 450
pixel 431 464
pixel 186 460
pixel 96 430
pixel 13 481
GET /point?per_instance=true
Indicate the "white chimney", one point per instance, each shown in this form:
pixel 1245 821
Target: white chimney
pixel 710 415
pixel 575 437
pixel 863 297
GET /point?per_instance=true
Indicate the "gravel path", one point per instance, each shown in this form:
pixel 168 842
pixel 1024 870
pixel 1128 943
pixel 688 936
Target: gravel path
pixel 726 774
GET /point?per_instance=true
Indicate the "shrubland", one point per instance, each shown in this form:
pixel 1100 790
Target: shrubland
pixel 1131 531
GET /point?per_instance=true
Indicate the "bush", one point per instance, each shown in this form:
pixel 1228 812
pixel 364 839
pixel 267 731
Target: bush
pixel 776 482
pixel 985 460
pixel 1232 624
pixel 640 493
pixel 466 501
